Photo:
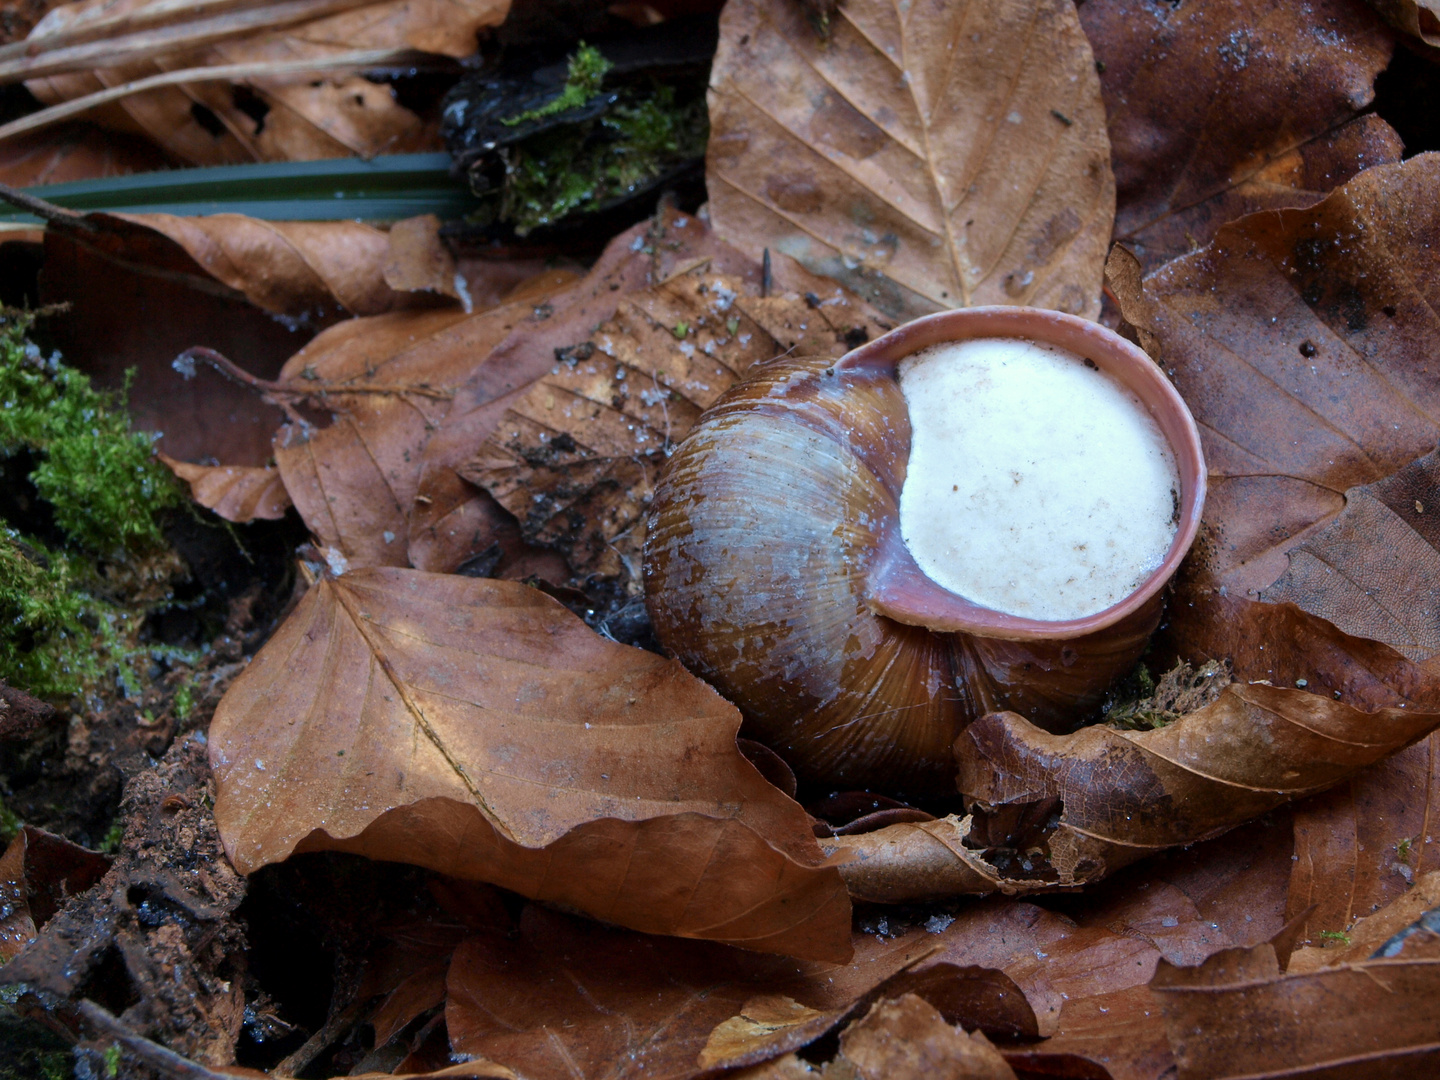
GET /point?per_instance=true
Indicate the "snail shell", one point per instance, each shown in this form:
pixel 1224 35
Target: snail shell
pixel 774 568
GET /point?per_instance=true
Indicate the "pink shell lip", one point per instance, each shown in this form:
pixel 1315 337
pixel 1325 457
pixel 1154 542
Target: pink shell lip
pixel 896 586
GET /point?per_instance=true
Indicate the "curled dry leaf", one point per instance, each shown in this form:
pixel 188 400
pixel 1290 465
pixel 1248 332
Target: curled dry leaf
pixel 1205 121
pixel 912 861
pixel 559 997
pixel 279 119
pixel 575 458
pixel 1418 18
pixel 1304 342
pixel 925 155
pixel 1237 1015
pixel 238 493
pixel 479 729
pixel 1124 794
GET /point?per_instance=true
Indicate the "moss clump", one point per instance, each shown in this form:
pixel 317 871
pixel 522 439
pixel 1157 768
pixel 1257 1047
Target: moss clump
pixel 100 477
pixel 581 168
pixel 1139 703
pixel 582 82
pixel 70 612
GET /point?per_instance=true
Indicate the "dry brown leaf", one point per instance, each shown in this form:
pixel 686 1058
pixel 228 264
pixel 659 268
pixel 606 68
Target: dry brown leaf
pixel 74 152
pixel 1363 844
pixel 417 260
pixel 39 871
pixel 479 729
pixel 1236 1015
pixel 1304 342
pixel 299 117
pixel 575 458
pixel 353 481
pixel 1118 1035
pixel 562 998
pixel 387 383
pixel 456 522
pixel 1205 119
pixel 1418 18
pixel 1371 932
pixel 906 1039
pixel 299 268
pixel 1124 794
pixel 927 155
pixel 912 861
pixel 238 493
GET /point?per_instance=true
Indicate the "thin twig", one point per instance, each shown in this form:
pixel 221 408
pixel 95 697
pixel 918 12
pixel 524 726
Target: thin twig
pixel 224 72
pixel 316 388
pixel 163 1060
pixel 48 211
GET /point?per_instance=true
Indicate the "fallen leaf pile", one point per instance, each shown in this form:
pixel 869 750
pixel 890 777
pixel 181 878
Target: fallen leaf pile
pixel 590 873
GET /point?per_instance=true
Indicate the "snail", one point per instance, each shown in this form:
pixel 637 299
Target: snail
pixel 776 569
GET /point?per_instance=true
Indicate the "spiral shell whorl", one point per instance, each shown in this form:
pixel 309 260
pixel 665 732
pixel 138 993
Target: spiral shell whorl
pixel 762 534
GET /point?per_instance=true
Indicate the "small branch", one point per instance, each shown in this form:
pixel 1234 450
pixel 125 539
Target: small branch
pixel 293 391
pixel 47 211
pixel 164 1061
pixel 223 72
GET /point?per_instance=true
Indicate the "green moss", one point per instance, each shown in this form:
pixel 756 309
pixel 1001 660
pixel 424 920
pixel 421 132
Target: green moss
pixel 65 623
pixel 1139 703
pixel 114 836
pixel 112 1060
pixel 580 168
pixel 100 477
pixel 582 82
pixel 9 825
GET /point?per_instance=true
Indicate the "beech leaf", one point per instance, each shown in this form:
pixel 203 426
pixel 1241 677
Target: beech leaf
pixel 1361 845
pixel 927 155
pixel 1304 342
pixel 238 493
pixel 284 118
pixel 587 441
pixel 561 998
pixel 454 521
pixel 1124 794
pixel 479 729
pixel 906 1039
pixel 1205 121
pixel 1238 1015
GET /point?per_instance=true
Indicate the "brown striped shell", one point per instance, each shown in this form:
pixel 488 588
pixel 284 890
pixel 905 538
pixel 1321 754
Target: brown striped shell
pixel 774 546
